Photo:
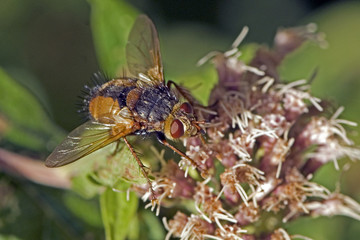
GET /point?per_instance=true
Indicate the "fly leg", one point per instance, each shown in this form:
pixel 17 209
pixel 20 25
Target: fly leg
pixel 161 138
pixel 117 148
pixel 187 95
pixel 184 92
pixel 142 166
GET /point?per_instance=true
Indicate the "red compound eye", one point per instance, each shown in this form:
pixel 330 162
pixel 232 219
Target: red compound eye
pixel 186 107
pixel 176 129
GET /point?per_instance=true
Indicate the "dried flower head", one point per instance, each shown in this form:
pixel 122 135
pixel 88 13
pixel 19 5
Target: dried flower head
pixel 265 140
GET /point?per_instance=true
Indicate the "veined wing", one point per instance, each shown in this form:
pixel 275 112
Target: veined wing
pixel 143 52
pixel 84 140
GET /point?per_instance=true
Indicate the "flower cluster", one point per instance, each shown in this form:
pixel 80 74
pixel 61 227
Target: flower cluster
pixel 265 140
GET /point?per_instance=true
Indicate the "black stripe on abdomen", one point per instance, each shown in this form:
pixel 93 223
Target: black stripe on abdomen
pixel 117 92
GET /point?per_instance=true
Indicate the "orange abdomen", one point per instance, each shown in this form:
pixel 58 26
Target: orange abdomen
pixel 104 109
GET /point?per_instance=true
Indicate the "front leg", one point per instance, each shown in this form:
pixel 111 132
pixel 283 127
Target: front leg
pixel 162 139
pixel 184 92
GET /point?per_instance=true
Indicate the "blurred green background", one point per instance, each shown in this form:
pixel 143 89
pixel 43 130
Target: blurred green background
pixel 48 47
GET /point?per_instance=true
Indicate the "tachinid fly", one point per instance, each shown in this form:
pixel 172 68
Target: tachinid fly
pixel 139 104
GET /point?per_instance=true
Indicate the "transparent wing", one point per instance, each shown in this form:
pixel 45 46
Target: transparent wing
pixel 82 141
pixel 143 52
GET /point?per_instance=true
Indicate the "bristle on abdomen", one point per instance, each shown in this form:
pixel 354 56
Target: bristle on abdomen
pixel 89 92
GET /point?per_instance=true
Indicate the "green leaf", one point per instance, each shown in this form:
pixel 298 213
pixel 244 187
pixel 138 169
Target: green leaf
pixel 84 186
pixel 8 237
pixel 88 211
pixel 23 121
pixel 104 168
pixel 248 52
pixel 200 82
pixel 151 227
pixel 134 229
pixel 120 167
pixel 111 22
pixel 117 213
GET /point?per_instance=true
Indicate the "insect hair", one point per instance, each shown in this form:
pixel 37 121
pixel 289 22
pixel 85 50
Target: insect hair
pixel 89 91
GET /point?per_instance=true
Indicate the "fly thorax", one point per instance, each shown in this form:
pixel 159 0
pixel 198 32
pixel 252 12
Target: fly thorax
pixel 155 104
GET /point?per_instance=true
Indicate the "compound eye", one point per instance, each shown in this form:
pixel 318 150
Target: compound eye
pixel 176 129
pixel 187 108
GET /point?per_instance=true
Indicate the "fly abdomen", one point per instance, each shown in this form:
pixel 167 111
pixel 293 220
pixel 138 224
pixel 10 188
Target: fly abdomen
pixel 117 92
pixel 107 102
